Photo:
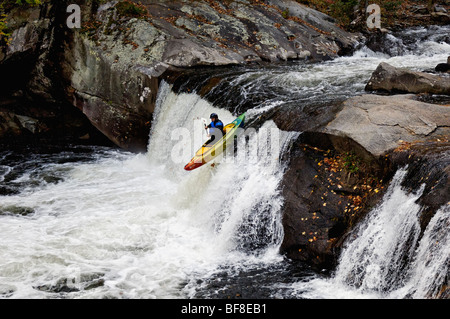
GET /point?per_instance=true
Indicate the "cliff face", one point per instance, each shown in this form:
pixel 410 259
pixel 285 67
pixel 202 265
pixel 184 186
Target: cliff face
pixel 110 68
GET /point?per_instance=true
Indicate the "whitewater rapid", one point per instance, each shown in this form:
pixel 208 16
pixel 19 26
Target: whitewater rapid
pixel 385 257
pixel 112 224
pixel 140 226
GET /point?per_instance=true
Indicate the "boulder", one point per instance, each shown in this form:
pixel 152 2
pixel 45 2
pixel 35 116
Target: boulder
pixel 438 8
pixel 12 125
pixel 32 102
pixel 338 172
pixel 392 79
pixel 428 163
pixel 327 188
pixel 443 67
pixel 381 123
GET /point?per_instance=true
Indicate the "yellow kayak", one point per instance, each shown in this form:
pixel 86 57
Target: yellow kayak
pixel 210 151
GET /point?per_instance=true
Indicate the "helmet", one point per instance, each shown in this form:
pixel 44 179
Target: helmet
pixel 213 115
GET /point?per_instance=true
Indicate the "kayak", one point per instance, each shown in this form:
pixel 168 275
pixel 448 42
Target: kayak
pixel 208 152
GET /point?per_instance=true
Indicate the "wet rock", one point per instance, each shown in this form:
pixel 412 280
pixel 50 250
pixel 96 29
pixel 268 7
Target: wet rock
pixel 338 172
pixel 86 281
pixel 391 79
pixel 428 163
pixel 111 67
pixel 12 125
pixel 16 210
pixel 330 184
pixel 114 64
pixel 441 17
pixel 385 42
pixel 8 125
pixel 438 8
pixel 118 98
pixel 33 105
pixel 381 123
pixel 443 67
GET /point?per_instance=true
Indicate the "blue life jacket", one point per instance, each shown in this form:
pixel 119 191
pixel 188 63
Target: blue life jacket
pixel 217 125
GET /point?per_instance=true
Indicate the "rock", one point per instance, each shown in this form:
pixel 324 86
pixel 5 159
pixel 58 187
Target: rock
pixel 428 163
pixel 8 125
pixel 113 65
pixel 32 102
pixel 443 67
pixel 110 68
pixel 381 123
pixel 324 196
pixel 31 124
pixel 440 17
pixel 438 8
pixel 391 79
pixel 386 43
pixel 419 9
pixel 12 124
pixel 338 172
pixel 117 97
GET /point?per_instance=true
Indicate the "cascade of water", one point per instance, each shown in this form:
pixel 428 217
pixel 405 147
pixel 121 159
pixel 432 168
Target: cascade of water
pixel 385 257
pixel 115 224
pixel 430 270
pixel 384 243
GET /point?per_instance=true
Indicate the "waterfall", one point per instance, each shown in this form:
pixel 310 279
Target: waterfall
pixel 240 194
pixel 97 222
pixel 429 271
pixel 387 256
pixel 383 243
pixel 139 225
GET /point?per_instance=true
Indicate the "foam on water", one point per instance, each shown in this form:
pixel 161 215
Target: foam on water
pixel 385 258
pixel 140 226
pixel 123 225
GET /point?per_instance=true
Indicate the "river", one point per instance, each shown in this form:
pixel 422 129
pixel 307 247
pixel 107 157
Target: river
pixel 81 221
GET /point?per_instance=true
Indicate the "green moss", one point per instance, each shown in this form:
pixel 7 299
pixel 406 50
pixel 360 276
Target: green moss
pixel 131 9
pixel 30 2
pixel 5 7
pixel 351 162
pixel 343 11
pixel 5 33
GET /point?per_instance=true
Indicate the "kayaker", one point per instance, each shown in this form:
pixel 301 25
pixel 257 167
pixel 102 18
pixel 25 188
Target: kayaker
pixel 215 128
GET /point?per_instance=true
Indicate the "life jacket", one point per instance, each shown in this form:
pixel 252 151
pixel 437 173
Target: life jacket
pixel 218 125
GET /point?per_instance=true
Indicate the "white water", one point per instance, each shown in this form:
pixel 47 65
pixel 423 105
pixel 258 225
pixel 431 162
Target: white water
pixel 141 227
pixel 339 78
pixel 384 258
pixel 141 223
